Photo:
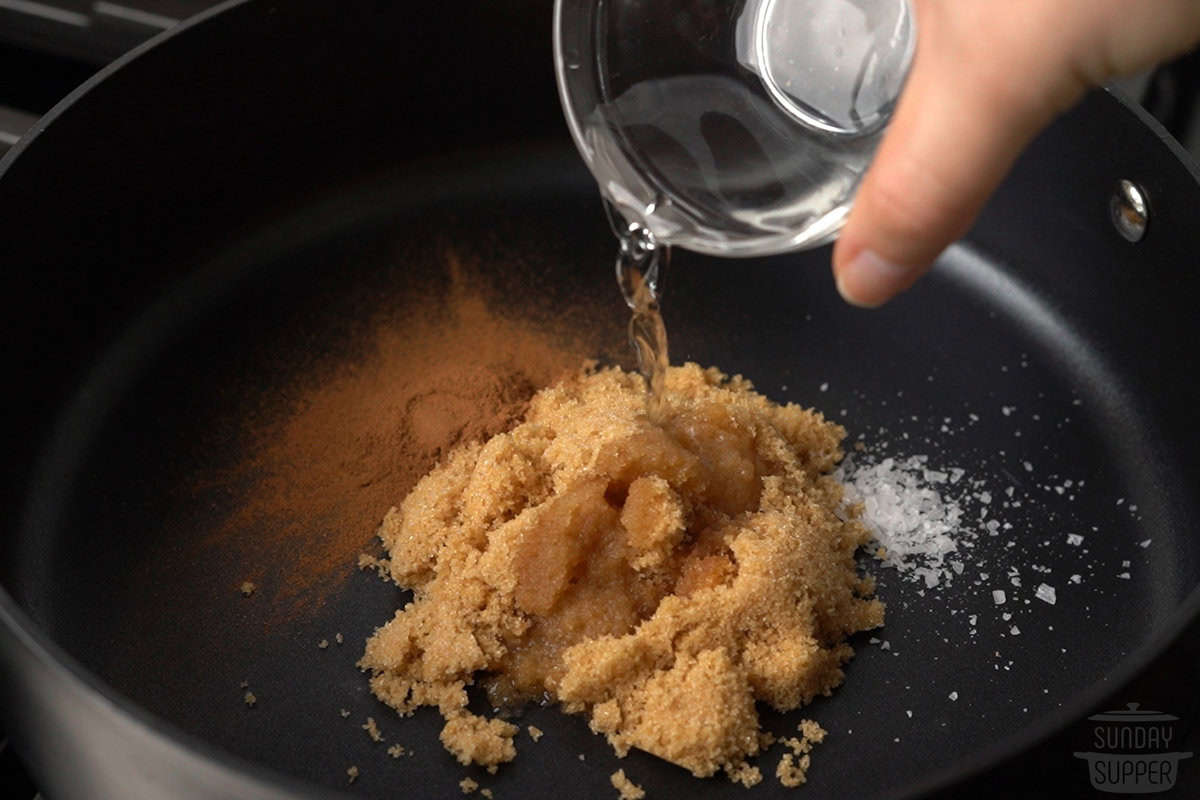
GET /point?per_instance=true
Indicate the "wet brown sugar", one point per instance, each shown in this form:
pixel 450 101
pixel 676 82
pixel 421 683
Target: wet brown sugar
pixel 659 575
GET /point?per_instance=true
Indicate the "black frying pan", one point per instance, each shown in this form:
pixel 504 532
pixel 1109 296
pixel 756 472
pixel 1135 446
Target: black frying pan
pixel 223 216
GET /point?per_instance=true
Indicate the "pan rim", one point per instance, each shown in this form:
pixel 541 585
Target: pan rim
pixel 17 625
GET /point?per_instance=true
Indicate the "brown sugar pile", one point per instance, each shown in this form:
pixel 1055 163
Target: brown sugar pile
pixel 661 576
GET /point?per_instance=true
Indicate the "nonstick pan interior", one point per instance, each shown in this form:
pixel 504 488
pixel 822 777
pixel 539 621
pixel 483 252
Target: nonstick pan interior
pixel 120 565
pixel 195 260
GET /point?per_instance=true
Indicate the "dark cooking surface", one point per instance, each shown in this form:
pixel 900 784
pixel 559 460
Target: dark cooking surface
pixel 960 328
pixel 222 346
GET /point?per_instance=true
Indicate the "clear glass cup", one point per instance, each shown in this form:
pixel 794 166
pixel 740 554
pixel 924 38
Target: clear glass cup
pixel 731 127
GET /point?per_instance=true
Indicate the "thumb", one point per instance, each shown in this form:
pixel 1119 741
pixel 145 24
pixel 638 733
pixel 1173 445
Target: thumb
pixel 976 95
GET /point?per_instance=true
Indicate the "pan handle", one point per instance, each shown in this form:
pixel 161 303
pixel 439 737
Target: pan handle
pixel 13 125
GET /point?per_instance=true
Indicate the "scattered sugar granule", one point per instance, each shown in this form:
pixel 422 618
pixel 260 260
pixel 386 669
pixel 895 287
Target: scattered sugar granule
pixel 249 699
pixel 1046 594
pixel 345 714
pixel 248 588
pixel 1074 539
pixel 953 696
pixel 535 732
pixel 487 793
pixel 395 751
pixel 1014 630
pixel 811 732
pixel 1076 578
pixel 382 566
pixel 337 637
pixel 627 789
pixel 1144 543
pixel 998 596
pixel 351 774
pixel 324 643
pixel 746 775
pixel 792 771
pixel 372 730
pixel 467 785
pixel 1123 576
pixel 824 387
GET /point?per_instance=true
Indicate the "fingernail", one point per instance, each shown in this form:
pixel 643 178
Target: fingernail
pixel 869 281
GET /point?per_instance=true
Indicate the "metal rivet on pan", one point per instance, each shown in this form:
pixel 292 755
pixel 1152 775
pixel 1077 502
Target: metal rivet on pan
pixel 1129 210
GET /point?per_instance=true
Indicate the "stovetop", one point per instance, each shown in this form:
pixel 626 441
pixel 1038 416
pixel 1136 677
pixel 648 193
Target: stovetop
pixel 47 47
pixel 91 31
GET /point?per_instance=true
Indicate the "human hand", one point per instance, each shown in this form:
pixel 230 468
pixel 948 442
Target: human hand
pixel 986 78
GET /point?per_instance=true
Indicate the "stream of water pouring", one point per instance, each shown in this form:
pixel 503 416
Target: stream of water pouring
pixel 641 264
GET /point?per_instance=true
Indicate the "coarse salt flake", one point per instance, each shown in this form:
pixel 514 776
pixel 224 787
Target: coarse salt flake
pixel 914 524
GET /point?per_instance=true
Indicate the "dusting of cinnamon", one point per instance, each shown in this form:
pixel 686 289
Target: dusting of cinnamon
pixel 659 575
pixel 353 435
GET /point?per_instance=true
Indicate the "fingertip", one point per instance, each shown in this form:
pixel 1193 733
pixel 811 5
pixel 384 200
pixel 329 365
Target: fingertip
pixel 868 280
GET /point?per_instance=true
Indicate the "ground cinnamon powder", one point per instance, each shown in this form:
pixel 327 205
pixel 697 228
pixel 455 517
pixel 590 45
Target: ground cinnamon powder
pixel 343 445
